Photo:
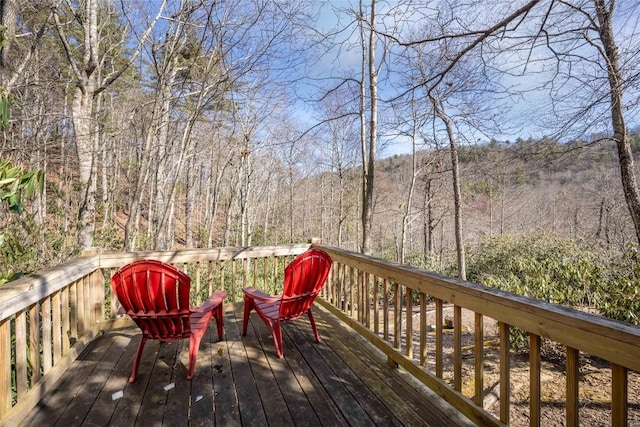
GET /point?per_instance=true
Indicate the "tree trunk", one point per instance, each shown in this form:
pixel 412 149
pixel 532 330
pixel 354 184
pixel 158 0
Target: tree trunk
pixel 620 136
pixel 409 200
pixel 457 194
pixel 369 151
pixel 8 15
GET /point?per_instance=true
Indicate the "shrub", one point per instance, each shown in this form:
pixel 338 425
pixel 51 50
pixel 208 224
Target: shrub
pixel 540 266
pixel 620 296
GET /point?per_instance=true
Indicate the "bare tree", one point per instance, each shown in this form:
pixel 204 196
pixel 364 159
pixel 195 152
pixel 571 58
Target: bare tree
pixel 89 84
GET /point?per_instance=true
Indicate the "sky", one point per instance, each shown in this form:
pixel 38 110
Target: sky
pixel 529 114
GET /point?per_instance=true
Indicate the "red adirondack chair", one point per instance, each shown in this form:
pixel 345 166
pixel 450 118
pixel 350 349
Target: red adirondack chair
pixel 156 296
pixel 304 277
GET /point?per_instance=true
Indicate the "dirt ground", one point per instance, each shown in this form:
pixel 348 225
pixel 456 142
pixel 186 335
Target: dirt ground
pixel 594 387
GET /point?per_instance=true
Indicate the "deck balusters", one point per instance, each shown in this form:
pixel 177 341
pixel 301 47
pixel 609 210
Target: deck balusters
pixel 534 380
pixel 505 373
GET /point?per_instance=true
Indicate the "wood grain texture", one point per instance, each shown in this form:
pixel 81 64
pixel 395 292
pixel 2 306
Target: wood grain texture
pixel 239 381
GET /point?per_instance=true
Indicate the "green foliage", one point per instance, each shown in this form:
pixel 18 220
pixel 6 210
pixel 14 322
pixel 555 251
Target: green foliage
pixel 425 261
pixel 16 183
pixel 620 296
pixel 5 109
pixel 541 266
pixel 28 247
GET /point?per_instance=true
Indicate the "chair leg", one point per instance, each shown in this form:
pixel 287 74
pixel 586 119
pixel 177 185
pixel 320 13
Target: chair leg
pixel 248 306
pixel 277 338
pixel 313 326
pixel 136 360
pixel 219 321
pixel 194 346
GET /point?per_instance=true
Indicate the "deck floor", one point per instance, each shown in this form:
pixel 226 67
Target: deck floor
pixel 239 381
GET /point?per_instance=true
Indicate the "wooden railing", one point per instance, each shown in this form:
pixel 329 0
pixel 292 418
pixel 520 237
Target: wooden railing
pixel 375 296
pixel 47 319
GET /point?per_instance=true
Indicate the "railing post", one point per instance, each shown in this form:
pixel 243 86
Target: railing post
pixel 619 395
pixel 5 367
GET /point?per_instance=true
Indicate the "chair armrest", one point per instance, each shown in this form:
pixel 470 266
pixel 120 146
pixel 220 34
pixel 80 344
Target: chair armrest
pixel 251 292
pixel 211 303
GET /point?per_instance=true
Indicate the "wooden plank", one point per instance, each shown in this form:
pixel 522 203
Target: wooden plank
pixel 385 308
pixel 249 402
pixel 534 380
pixel 271 398
pixel 400 398
pixel 100 362
pixel 66 323
pixel 573 379
pixel 179 397
pixel 73 313
pixel 327 413
pixel 376 305
pixel 47 351
pixel 397 315
pixel 352 286
pixel 161 377
pixel 478 359
pixel 53 406
pixel 295 406
pixel 457 348
pixel 118 259
pixel 81 307
pixel 21 353
pixel 423 330
pixel 505 373
pixel 227 407
pixel 122 351
pixel 202 412
pixel 56 326
pixel 351 371
pixel 129 405
pixel 620 395
pixel 438 339
pixel 335 384
pixel 409 326
pixel 5 367
pixel 34 342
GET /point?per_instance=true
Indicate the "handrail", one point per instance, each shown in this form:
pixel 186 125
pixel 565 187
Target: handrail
pixel 358 292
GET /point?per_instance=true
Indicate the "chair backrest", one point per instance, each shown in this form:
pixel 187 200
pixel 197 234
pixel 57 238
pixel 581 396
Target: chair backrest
pixel 304 278
pixel 156 296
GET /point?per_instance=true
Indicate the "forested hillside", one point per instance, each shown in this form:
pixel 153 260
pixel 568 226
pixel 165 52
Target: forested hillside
pixel 181 124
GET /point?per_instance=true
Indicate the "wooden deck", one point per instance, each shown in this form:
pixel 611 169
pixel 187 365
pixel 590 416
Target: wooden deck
pixel 240 381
